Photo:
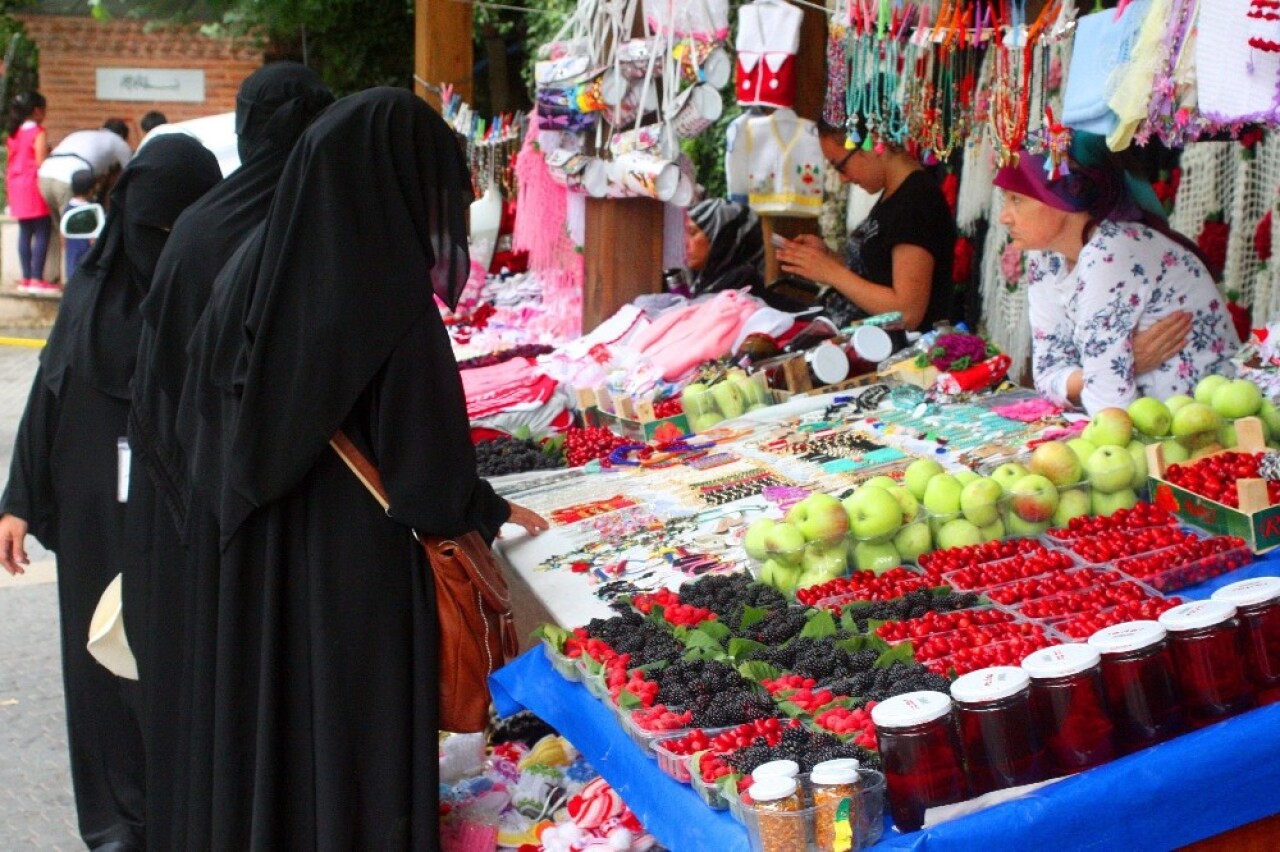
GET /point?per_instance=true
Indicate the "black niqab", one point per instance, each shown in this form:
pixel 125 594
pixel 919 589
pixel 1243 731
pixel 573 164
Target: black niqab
pixel 96 334
pixel 299 323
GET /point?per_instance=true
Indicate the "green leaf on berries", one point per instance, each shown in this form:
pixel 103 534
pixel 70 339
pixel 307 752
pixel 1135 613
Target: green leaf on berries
pixel 854 644
pixel 750 615
pixel 848 623
pixel 874 623
pixel 523 433
pixel 553 635
pixel 657 615
pixel 795 711
pixel 701 638
pixel 740 648
pixel 758 670
pixel 715 629
pixel 897 654
pixel 628 700
pixel 693 655
pixel 821 625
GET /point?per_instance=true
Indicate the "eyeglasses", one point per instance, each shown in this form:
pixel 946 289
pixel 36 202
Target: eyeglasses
pixel 844 161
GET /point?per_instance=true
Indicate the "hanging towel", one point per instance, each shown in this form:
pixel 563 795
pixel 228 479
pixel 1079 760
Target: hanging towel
pixel 1102 49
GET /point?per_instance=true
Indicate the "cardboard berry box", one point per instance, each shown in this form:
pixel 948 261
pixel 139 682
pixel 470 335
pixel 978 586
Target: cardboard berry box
pixel 1257 522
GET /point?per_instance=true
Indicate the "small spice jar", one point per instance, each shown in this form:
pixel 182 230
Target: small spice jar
pixel 918 745
pixel 771 769
pixel 774 812
pixel 834 785
pixel 997 736
pixel 1208 660
pixel 1068 706
pixel 1137 674
pixel 1257 604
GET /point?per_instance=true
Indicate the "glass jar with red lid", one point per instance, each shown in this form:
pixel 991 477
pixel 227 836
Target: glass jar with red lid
pixel 1069 706
pixel 916 738
pixel 1141 690
pixel 1208 660
pixel 1257 604
pixel 998 738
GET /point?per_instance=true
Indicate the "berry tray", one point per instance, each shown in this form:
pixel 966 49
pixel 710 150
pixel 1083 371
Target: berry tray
pixel 1135 543
pixel 984 613
pixel 1009 653
pixel 1096 598
pixel 1049 585
pixel 980 578
pixel 1146 569
pixel 645 739
pixel 566 667
pixel 594 682
pixel 677 765
pixel 709 793
pixel 1081 625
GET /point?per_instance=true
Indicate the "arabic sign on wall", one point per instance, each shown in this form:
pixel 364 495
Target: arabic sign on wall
pixel 151 84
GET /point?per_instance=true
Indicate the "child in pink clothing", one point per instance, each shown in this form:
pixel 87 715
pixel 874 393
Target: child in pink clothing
pixel 28 146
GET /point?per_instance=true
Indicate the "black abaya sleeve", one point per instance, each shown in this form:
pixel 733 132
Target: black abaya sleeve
pixel 29 494
pixel 421 440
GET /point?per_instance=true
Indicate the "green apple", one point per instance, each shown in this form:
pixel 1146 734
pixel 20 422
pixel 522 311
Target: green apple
pixel 1056 461
pixel 822 563
pixel 1150 416
pixel 1019 528
pixel 728 399
pixel 885 482
pixel 1271 417
pixel 917 476
pixel 1082 448
pixel 1174 403
pixel 913 541
pixel 696 399
pixel 1207 387
pixel 993 531
pixel 958 533
pixel 785 542
pixel 783 576
pixel 873 513
pixel 1009 473
pixel 1109 427
pixel 1034 498
pixel 1110 469
pixel 753 541
pixel 1138 452
pixel 1196 425
pixel 942 495
pixel 1237 398
pixel 1174 452
pixel 1107 504
pixel 819 517
pixel 906 500
pixel 964 477
pixel 703 422
pixel 1227 435
pixel 753 393
pixel 1072 503
pixel 875 556
pixel 980 501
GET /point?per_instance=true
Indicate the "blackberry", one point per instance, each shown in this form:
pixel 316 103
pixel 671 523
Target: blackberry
pixel 523 727
pixel 513 455
pixel 727 594
pixel 777 627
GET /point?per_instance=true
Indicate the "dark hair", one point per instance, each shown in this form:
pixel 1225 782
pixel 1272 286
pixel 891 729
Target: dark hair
pixel 82 182
pixel 151 120
pixel 118 127
pixel 21 108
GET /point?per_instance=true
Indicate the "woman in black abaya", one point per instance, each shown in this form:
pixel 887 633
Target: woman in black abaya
pixel 327 663
pixel 171 581
pixel 67 467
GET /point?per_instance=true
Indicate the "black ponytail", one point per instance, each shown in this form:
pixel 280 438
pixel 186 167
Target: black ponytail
pixel 22 107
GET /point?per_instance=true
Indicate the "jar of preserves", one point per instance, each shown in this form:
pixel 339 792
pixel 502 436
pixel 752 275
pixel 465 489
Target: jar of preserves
pixel 775 819
pixel 997 735
pixel 919 749
pixel 1069 707
pixel 835 788
pixel 1257 604
pixel 1208 660
pixel 1137 675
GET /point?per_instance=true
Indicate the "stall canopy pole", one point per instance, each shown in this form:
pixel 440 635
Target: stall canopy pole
pixel 442 47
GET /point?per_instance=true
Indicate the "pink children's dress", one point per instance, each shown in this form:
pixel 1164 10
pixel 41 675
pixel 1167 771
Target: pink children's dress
pixel 25 200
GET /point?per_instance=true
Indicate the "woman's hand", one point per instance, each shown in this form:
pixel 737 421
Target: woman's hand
pixel 532 522
pixel 807 256
pixel 1162 341
pixel 13 551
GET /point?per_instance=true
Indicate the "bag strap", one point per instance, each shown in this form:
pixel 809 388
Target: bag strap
pixel 361 467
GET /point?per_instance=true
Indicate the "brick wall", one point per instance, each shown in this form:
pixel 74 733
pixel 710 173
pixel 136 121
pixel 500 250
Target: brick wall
pixel 71 48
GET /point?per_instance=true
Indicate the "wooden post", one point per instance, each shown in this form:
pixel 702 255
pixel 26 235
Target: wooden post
pixel 623 255
pixel 442 47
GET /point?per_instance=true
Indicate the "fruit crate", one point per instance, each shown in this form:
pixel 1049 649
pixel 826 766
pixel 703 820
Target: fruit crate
pixel 678 765
pixel 643 739
pixel 1180 576
pixel 592 680
pixel 710 794
pixel 634 428
pixel 566 667
pixel 1257 522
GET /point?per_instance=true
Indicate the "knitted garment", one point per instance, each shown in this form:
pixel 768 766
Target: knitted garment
pixel 778 161
pixel 768 38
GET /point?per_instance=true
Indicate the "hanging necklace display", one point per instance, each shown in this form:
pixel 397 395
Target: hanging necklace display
pixel 1014 46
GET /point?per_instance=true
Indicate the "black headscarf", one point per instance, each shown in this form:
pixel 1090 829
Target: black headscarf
pixel 736 241
pixel 274 105
pixel 368 226
pixel 96 334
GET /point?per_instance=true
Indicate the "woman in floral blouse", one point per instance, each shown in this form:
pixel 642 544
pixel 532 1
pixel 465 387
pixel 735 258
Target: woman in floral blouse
pixel 1121 306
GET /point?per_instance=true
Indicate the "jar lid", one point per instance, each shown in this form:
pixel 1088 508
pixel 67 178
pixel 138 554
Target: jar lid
pixel 1249 592
pixel 1128 636
pixel 872 343
pixel 828 362
pixel 839 762
pixel 775 769
pixel 827 775
pixel 1197 614
pixel 773 788
pixel 911 708
pixel 1061 660
pixel 989 684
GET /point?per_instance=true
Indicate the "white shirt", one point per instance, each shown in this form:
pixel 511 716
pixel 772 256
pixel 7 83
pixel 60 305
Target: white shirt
pixel 99 150
pixel 1127 278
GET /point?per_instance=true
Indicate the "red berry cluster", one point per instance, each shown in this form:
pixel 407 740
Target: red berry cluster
pixel 1117 544
pixel 673 611
pixel 1010 653
pixel 940 622
pixel 786 682
pixel 977 577
pixel 945 644
pixel 1094 599
pixel 617 679
pixel 597 649
pixel 691 743
pixel 1049 585
pixel 668 407
pixel 809 701
pixel 586 444
pixel 941 561
pixel 1216 476
pixel 1139 517
pixel 1085 625
pixel 865 585
pixel 1189 563
pixel 712 765
pixel 660 718
pixel 575 644
pixel 855 723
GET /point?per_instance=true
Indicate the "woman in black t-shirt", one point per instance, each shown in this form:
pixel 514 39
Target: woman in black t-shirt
pixel 899 257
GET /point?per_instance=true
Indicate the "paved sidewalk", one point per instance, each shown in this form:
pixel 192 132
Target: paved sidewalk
pixel 36 807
